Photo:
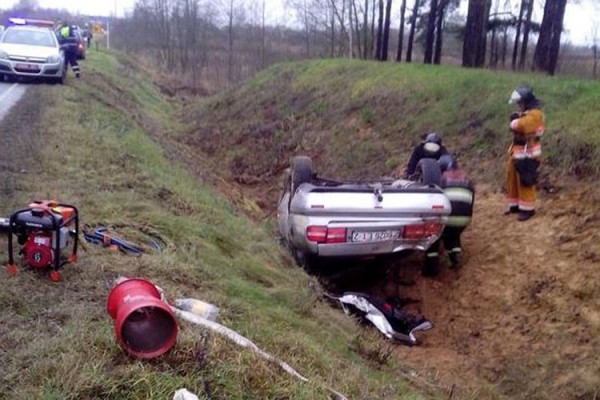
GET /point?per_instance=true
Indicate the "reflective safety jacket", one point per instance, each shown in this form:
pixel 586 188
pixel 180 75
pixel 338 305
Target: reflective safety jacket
pixel 527 129
pixel 461 193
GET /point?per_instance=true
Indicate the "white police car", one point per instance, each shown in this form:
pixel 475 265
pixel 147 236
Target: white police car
pixel 30 48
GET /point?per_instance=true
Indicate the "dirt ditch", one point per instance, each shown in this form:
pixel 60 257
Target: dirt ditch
pixel 521 318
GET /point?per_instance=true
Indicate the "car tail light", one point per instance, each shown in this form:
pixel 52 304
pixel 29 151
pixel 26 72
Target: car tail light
pixel 316 234
pixel 336 235
pixel 322 234
pixel 422 231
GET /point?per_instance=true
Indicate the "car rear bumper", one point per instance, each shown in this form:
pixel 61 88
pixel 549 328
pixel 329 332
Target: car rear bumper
pixel 9 67
pixel 367 249
pixel 351 248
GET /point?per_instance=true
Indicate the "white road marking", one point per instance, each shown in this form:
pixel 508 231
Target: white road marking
pixel 10 89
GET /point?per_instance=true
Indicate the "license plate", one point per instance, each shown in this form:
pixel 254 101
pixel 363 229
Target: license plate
pixel 375 236
pixel 27 66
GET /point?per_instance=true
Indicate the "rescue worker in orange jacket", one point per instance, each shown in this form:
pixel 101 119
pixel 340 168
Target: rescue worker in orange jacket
pixel 527 127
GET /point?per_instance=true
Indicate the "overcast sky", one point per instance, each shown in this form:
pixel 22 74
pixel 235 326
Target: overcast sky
pixel 579 18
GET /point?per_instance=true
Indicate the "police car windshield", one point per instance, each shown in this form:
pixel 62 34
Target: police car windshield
pixel 29 37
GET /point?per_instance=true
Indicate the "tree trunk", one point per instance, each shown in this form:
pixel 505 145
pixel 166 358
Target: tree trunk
pixel 386 31
pixel 307 29
pixel 263 62
pixel 475 33
pixel 595 70
pixel 350 35
pixel 401 31
pixel 358 38
pixel 439 32
pixel 411 33
pixel 518 34
pixel 230 48
pixel 556 33
pixel 526 30
pixel 366 30
pixel 379 31
pixel 371 42
pixel 430 34
pixel 504 46
pixel 483 37
pixel 548 46
pixel 332 34
pixel 493 49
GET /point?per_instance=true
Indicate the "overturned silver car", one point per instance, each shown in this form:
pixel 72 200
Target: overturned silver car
pixel 321 218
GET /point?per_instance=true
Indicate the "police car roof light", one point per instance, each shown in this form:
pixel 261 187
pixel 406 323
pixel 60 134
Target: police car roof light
pixel 32 22
pixel 17 21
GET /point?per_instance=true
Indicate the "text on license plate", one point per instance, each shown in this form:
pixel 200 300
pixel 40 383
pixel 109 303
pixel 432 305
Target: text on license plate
pixel 27 66
pixel 375 236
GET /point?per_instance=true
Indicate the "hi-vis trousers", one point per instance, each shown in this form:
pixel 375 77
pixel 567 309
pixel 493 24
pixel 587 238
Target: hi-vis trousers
pixel 518 195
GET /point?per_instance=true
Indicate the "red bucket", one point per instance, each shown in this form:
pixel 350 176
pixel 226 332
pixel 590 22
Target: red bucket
pixel 144 325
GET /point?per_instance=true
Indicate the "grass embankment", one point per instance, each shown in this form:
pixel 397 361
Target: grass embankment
pixel 361 119
pixel 94 144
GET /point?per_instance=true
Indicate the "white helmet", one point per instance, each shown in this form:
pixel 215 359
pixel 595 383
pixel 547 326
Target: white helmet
pixel 433 143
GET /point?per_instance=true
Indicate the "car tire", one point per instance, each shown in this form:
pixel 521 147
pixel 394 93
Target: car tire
pixel 301 172
pixel 1 77
pixel 428 172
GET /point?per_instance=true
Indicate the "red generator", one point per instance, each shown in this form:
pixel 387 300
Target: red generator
pixel 43 230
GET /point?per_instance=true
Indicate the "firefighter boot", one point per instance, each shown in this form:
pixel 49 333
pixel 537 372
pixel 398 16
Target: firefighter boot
pixel 525 215
pixel 455 257
pixel 511 210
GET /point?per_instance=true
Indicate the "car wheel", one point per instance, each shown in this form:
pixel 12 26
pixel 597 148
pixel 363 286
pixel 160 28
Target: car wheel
pixel 301 173
pixel 428 172
pixel 1 77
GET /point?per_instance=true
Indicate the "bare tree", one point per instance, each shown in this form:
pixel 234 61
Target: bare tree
pixel 366 30
pixel 401 31
pixel 475 33
pixel 230 41
pixel 386 31
pixel 518 34
pixel 430 33
pixel 548 45
pixel 526 31
pixel 595 40
pixel 413 27
pixel 379 31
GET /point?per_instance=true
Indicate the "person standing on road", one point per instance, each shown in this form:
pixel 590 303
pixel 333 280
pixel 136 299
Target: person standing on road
pixel 461 193
pixel 87 34
pixel 68 41
pixel 527 127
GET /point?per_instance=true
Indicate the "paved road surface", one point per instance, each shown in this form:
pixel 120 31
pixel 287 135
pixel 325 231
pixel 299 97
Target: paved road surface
pixel 10 93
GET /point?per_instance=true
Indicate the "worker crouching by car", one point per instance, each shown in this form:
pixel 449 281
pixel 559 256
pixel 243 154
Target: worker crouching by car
pixel 430 147
pixel 461 193
pixel 527 127
pixel 68 42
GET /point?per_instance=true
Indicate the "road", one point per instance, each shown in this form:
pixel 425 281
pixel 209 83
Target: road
pixel 10 93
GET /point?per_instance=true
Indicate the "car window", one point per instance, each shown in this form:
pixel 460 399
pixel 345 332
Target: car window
pixel 28 37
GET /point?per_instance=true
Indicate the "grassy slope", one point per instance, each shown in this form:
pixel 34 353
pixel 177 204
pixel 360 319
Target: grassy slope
pixel 361 118
pixel 94 150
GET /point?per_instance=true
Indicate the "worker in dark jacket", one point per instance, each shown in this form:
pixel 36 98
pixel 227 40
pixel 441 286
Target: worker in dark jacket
pixel 430 147
pixel 68 42
pixel 461 193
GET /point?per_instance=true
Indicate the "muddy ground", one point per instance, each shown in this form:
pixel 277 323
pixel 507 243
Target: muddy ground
pixel 521 318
